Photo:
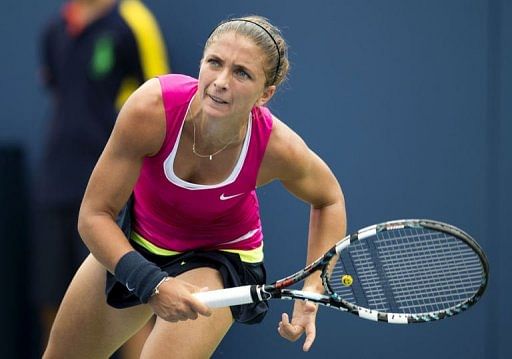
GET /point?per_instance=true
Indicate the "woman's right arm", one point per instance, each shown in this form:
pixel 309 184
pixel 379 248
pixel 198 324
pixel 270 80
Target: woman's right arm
pixel 139 132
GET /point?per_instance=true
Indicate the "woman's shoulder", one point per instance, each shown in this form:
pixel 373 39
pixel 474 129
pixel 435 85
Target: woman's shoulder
pixel 142 118
pixel 287 154
pixel 284 137
pixel 146 99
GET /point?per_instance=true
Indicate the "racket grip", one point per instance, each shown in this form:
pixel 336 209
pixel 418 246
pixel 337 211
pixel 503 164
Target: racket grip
pixel 226 297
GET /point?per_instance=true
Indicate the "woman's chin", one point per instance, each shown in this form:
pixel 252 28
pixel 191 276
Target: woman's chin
pixel 216 110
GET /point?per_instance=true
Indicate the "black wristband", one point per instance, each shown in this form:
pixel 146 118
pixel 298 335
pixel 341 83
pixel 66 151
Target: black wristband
pixel 139 275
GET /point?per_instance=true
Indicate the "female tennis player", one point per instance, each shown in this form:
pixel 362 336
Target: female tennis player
pixel 189 153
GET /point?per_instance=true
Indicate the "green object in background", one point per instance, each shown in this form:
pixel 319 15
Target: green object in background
pixel 103 57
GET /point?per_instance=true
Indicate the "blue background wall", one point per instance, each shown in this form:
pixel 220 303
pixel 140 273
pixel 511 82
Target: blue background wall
pixel 409 102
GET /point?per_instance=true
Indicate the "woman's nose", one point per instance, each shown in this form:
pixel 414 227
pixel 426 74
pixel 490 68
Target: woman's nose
pixel 222 81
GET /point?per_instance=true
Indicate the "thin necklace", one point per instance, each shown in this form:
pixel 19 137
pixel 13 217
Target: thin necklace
pixel 210 156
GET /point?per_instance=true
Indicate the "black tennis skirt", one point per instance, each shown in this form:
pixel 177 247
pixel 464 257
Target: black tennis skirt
pixel 234 273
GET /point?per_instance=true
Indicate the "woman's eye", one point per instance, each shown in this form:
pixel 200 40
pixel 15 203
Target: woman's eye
pixel 213 62
pixel 243 74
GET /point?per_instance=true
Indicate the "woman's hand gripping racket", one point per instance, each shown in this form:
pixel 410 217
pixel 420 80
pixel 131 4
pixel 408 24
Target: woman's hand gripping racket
pixel 404 271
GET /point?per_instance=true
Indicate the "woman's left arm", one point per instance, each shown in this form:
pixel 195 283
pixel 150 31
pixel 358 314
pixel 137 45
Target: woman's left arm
pixel 308 177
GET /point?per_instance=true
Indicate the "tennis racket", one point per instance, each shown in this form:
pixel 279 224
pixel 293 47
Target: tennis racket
pixel 403 271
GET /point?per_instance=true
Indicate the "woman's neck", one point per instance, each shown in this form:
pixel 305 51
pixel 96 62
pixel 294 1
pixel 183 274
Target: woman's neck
pixel 213 132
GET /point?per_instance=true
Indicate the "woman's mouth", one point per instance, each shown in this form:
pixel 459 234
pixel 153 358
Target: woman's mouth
pixel 217 99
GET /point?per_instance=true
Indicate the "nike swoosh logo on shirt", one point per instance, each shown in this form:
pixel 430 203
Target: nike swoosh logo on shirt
pixel 223 197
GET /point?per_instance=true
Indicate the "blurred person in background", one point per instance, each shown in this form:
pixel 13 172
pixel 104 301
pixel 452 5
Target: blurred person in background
pixel 94 54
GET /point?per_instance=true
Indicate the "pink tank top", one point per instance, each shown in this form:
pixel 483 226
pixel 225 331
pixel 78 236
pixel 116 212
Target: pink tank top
pixel 180 216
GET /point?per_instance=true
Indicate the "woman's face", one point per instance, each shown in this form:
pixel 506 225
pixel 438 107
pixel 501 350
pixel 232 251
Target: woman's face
pixel 232 77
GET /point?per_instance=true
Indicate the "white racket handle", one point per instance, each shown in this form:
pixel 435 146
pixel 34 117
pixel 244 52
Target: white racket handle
pixel 226 297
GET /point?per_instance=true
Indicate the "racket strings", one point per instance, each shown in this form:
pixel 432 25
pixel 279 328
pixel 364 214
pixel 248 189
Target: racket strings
pixel 428 270
pixel 413 270
pixel 366 276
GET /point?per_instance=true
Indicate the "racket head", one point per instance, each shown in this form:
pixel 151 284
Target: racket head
pixel 407 271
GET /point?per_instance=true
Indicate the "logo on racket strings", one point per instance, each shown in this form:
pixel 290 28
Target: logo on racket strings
pixel 347 280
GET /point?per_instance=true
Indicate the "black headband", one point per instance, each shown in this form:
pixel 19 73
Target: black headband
pixel 268 33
